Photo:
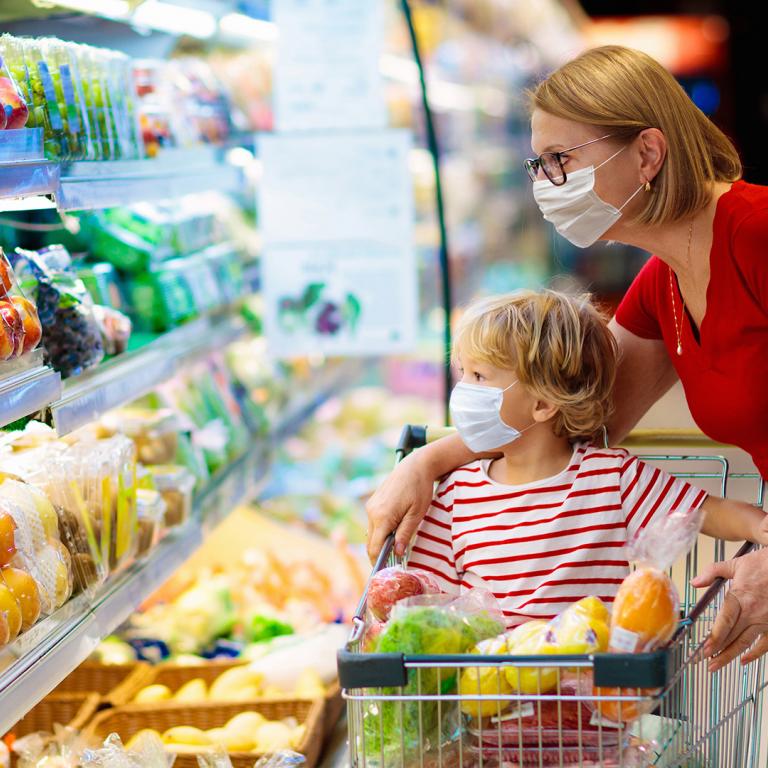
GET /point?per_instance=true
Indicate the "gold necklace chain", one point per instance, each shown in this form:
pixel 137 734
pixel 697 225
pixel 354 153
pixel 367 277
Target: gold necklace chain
pixel 679 327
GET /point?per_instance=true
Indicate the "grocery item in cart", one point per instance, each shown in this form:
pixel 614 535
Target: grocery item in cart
pixel 390 585
pixel 71 336
pixel 427 624
pixel 20 329
pixel 646 610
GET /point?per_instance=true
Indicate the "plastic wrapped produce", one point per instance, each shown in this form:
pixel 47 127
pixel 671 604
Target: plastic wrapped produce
pixel 176 485
pixel 150 514
pixel 38 550
pixel 647 607
pixel 428 624
pixel 390 585
pixel 154 432
pixel 20 329
pixel 115 328
pixel 71 336
pixel 13 102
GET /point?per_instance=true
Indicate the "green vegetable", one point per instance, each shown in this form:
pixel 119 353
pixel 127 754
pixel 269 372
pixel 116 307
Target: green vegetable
pixel 422 630
pixel 262 628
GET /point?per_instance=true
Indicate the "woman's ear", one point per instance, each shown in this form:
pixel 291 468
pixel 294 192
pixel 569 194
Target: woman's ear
pixel 653 150
pixel 544 411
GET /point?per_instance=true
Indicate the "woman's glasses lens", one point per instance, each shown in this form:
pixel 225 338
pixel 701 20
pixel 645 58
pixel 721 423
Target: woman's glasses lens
pixel 553 170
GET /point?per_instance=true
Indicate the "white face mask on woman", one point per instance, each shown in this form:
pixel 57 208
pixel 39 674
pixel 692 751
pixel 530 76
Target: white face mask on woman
pixel 575 209
pixel 476 414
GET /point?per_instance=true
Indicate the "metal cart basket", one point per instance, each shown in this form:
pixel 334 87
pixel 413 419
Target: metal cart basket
pixel 668 710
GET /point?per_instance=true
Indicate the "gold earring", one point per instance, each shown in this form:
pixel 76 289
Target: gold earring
pixel 647 186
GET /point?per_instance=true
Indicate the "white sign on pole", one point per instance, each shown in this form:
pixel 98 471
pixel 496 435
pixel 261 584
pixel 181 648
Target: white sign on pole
pixel 336 215
pixel 327 65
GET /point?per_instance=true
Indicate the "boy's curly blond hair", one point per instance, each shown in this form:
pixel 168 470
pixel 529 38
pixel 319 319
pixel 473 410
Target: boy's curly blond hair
pixel 558 345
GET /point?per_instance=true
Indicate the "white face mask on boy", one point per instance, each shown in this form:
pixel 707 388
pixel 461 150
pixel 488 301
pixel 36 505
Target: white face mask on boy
pixel 577 212
pixel 476 414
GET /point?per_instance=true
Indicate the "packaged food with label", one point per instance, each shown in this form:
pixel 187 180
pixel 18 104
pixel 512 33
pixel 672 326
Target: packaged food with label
pixel 67 80
pixel 91 63
pixel 176 485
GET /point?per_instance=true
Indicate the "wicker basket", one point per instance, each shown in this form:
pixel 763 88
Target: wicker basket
pixel 175 676
pixel 70 709
pixel 115 684
pixel 132 718
pixel 333 708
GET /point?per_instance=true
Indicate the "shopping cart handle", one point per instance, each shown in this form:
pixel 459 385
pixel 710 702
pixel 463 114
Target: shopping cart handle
pixel 381 561
pixel 713 590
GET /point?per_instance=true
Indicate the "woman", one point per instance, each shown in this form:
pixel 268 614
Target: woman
pixel 624 155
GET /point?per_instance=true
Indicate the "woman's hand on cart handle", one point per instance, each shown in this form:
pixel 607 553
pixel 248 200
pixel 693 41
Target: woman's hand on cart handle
pixel 399 504
pixel 741 626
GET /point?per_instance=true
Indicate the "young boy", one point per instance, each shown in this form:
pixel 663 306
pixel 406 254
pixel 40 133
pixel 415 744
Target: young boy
pixel 546 522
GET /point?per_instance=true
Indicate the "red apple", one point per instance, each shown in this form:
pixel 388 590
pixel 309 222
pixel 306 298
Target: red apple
pixel 33 331
pixel 16 111
pixel 6 275
pixel 11 331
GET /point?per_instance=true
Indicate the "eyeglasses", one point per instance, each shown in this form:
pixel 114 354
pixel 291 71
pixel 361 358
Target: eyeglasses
pixel 552 163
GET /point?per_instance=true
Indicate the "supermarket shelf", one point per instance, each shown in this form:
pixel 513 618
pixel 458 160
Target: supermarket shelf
pixel 27 392
pixel 86 185
pixel 174 173
pixel 40 659
pixel 133 374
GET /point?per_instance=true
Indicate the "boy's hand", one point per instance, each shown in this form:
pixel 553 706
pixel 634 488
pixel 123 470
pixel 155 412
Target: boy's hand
pixel 761 535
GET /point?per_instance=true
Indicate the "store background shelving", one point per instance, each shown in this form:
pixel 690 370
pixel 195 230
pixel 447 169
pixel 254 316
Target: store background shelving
pixel 34 664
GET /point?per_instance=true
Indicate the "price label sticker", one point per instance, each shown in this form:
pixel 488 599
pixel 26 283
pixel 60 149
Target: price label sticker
pixel 624 640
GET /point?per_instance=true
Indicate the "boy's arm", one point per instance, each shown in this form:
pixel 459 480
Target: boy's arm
pixel 734 520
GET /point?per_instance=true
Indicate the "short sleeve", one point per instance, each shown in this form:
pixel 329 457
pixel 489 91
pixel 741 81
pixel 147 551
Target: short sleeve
pixel 432 549
pixel 647 493
pixel 638 311
pixel 750 252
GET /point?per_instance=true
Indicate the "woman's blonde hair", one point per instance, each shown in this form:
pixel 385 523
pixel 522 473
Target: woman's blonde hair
pixel 622 91
pixel 559 347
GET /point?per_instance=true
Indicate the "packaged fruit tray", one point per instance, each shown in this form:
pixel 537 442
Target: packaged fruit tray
pixel 114 684
pixel 185 678
pixel 71 709
pixel 186 729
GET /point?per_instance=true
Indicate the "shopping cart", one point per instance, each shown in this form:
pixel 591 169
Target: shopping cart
pixel 406 711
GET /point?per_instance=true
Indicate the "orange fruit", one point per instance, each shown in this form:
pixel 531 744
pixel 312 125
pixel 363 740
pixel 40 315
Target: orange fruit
pixel 5 632
pixel 6 281
pixel 625 711
pixel 7 538
pixel 9 606
pixel 24 588
pixel 645 612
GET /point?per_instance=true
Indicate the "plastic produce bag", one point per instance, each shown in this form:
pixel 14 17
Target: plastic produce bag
pixel 390 585
pixel 14 109
pixel 71 335
pixel 427 624
pixel 146 750
pixel 647 607
pixel 20 329
pixel 35 567
pixel 115 328
pixel 284 759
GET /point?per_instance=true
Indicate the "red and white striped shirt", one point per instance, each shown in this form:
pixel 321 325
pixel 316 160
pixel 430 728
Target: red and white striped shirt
pixel 541 546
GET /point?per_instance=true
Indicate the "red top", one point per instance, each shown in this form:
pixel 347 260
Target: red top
pixel 725 371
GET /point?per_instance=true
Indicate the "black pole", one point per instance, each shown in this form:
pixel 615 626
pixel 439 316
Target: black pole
pixel 434 150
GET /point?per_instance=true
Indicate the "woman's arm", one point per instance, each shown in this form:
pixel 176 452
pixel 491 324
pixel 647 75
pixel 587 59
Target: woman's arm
pixel 734 521
pixel 403 499
pixel 644 374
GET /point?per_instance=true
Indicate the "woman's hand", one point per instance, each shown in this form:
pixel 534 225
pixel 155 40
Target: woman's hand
pixel 400 503
pixel 741 626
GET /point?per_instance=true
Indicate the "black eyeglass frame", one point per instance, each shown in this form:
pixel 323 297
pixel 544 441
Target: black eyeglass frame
pixel 533 164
